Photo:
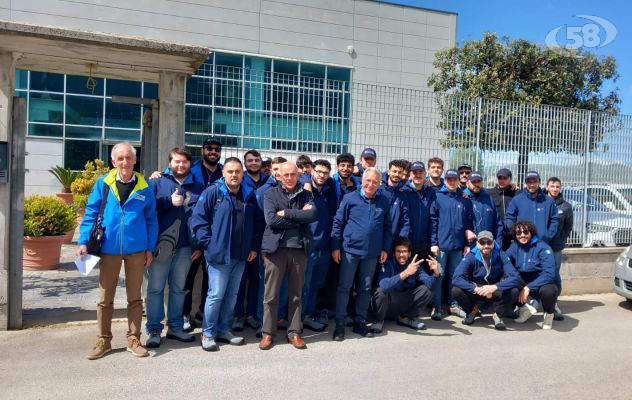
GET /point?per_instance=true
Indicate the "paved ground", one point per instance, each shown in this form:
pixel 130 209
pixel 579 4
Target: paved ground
pixel 587 356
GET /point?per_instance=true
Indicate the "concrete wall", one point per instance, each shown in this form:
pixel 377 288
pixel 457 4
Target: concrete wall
pixel 587 271
pixel 393 44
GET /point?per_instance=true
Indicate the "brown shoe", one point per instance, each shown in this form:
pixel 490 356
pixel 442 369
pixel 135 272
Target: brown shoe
pixel 296 341
pixel 266 342
pixel 101 348
pixel 134 347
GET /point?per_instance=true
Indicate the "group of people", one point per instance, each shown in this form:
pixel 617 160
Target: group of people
pixel 289 245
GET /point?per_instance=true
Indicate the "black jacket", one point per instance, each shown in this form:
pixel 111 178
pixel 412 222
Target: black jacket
pixel 502 198
pixel 276 199
pixel 565 212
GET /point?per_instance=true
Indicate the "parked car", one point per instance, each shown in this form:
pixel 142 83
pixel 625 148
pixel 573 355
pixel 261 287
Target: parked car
pixel 616 197
pixel 623 274
pixel 604 226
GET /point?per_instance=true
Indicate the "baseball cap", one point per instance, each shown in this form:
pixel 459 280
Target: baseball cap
pixel 368 153
pixel 532 175
pixel 212 141
pixel 451 173
pixel 266 160
pixel 504 173
pixel 485 235
pixel 417 166
pixel 475 176
pixel 464 166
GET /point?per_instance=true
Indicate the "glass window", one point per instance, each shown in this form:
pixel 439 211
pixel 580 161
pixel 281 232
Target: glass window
pixel 312 75
pixel 78 152
pixel 194 140
pixel 46 81
pixel 22 93
pixel 198 119
pixel 46 107
pixel 122 115
pixel 228 66
pixel 150 91
pixel 21 79
pixel 227 93
pixel 123 135
pixel 46 130
pixel 206 69
pixel 227 121
pixel 84 110
pixel 234 60
pixel 339 74
pixel 199 91
pixel 79 85
pixel 117 87
pixel 82 132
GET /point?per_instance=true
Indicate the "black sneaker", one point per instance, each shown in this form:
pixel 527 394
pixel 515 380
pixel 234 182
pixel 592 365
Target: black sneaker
pixel 361 329
pixel 339 333
pixel 499 324
pixel 469 318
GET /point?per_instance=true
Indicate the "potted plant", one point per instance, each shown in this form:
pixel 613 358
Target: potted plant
pixel 66 177
pixel 46 220
pixel 82 186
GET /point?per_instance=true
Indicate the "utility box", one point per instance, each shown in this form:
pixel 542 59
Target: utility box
pixel 4 162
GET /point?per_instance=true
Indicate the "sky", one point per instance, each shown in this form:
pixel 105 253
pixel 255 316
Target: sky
pixel 533 20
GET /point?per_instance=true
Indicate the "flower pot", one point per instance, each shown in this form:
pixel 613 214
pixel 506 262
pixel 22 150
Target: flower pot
pixel 66 197
pixel 68 236
pixel 41 253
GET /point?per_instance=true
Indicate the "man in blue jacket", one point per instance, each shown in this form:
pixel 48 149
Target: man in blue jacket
pixel 392 187
pixel 486 276
pixel 404 288
pixel 176 194
pixel 344 180
pixel 535 262
pixel 424 224
pixel 249 287
pixel 131 232
pixel 224 225
pixel 435 171
pixel 534 205
pixel 454 234
pixel 362 230
pixel 368 158
pixel 484 214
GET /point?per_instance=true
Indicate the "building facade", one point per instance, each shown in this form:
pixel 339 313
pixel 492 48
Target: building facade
pixel 279 78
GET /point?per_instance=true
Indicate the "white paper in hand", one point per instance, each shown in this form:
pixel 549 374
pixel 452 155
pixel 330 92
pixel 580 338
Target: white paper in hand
pixel 87 264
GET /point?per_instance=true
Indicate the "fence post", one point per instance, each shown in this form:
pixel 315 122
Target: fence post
pixel 478 132
pixel 586 173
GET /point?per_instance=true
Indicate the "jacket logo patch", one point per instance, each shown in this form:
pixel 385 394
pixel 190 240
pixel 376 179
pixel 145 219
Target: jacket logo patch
pixel 140 197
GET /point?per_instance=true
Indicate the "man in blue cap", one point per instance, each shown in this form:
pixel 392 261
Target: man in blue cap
pixel 464 171
pixel 485 215
pixel 368 158
pixel 535 206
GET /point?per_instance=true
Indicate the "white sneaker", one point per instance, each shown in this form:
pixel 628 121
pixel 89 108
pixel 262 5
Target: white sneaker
pixel 548 321
pixel 525 312
pixel 229 338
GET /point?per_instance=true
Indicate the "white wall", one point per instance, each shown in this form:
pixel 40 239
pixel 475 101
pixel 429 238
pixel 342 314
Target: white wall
pixel 42 154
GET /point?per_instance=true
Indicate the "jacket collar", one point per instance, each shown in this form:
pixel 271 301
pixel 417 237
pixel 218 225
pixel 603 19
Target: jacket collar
pixel 110 180
pixel 495 253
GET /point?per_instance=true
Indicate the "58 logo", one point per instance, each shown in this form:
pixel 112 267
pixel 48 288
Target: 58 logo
pixel 589 35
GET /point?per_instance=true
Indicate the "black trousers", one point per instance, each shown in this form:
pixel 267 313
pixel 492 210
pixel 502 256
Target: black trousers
pixel 393 303
pixel 423 251
pixel 547 295
pixel 502 301
pixel 188 286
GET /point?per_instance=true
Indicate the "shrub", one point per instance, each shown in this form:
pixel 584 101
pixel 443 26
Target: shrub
pixel 82 186
pixel 65 176
pixel 47 216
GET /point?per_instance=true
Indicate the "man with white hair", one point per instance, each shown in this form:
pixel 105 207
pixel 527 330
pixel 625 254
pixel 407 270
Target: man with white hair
pixel 130 235
pixel 361 236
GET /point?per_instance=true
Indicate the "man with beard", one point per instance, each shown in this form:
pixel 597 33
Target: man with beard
pixel 249 287
pixel 502 194
pixel 392 188
pixel 344 179
pixel 464 171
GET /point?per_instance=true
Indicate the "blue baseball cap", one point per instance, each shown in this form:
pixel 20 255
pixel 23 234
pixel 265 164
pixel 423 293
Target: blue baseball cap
pixel 532 175
pixel 451 173
pixel 464 166
pixel 475 176
pixel 418 166
pixel 368 153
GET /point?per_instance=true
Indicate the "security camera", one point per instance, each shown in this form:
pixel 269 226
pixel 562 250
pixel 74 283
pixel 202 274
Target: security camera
pixel 350 50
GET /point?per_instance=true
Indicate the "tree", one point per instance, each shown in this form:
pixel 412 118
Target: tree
pixel 524 72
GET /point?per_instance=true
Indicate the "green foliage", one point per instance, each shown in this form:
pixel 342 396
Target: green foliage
pixel 65 176
pixel 82 186
pixel 47 216
pixel 518 70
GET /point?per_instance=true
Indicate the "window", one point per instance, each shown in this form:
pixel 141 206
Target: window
pixel 122 115
pixel 77 152
pixel 82 110
pixel 80 85
pixel 46 107
pixel 47 82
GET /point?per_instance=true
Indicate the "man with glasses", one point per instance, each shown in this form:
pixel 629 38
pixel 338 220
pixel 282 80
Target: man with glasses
pixel 535 206
pixel 464 171
pixel 502 194
pixel 287 240
pixel 486 277
pixel 404 288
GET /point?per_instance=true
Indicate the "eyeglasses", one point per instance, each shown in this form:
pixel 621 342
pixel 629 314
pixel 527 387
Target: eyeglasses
pixel 465 172
pixel 402 251
pixel 485 242
pixel 319 172
pixel 214 149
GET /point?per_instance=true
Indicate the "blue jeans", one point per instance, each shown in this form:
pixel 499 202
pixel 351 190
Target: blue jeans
pixel 349 263
pixel 223 285
pixel 315 275
pixel 448 261
pixel 174 272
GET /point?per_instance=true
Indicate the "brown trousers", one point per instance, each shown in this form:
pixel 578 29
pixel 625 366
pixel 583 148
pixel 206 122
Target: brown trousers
pixel 109 269
pixel 294 261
